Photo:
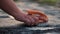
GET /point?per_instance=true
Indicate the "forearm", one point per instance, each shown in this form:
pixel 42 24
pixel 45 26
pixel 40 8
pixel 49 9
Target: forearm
pixel 10 7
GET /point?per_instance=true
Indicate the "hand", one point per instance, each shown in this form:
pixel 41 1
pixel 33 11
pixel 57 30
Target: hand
pixel 28 19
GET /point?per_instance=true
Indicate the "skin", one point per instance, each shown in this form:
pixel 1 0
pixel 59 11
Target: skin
pixel 42 18
pixel 11 8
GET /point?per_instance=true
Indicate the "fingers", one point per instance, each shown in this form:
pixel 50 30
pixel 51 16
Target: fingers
pixel 28 19
pixel 31 20
pixel 36 19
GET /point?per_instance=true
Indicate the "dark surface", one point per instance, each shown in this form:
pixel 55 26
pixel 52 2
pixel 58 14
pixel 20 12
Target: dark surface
pixel 22 29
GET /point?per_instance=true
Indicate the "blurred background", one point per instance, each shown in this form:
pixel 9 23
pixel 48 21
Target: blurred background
pixel 47 2
pixel 8 25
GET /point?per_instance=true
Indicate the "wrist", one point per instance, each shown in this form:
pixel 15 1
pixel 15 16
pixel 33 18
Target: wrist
pixel 18 15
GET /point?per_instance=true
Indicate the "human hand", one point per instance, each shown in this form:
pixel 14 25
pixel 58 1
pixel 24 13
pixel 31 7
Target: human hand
pixel 31 19
pixel 28 19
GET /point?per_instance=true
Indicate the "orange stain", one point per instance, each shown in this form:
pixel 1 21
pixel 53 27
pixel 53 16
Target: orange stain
pixel 42 19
